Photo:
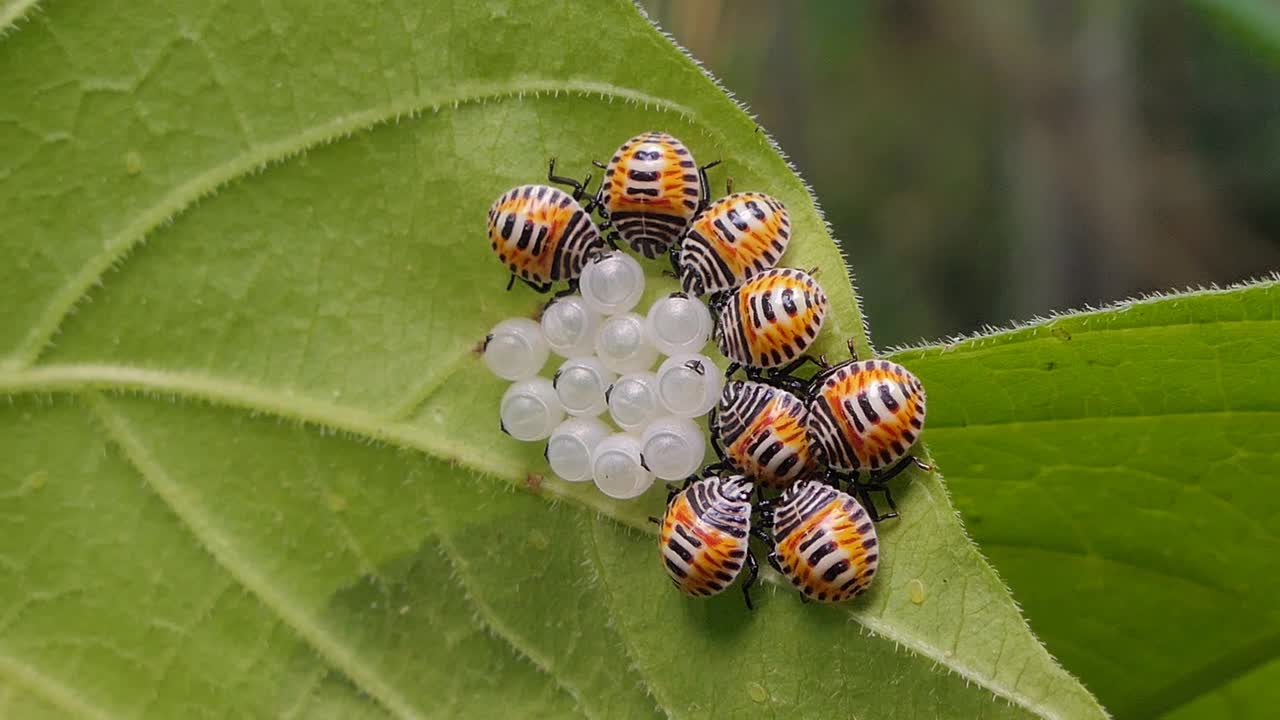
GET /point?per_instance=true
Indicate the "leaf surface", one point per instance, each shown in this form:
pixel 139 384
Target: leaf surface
pixel 254 465
pixel 1122 470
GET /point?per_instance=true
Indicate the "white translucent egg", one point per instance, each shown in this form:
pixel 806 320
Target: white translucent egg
pixel 530 409
pixel 581 384
pixel 515 349
pixel 623 344
pixel 679 324
pixel 689 385
pixel 612 284
pixel 617 469
pixel 570 446
pixel 672 447
pixel 633 400
pixel 570 327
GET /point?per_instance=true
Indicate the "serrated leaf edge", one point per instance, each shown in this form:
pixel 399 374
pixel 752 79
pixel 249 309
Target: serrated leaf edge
pixel 988 333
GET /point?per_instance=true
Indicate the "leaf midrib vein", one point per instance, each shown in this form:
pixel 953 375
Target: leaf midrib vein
pixel 208 182
pixel 82 378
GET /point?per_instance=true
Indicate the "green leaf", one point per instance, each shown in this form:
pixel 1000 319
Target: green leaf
pixel 1255 22
pixel 1122 470
pixel 252 460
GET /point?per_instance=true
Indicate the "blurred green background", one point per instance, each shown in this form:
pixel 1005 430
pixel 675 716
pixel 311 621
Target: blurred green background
pixel 983 162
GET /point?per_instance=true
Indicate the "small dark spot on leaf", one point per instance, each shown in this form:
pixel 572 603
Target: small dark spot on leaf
pixel 1050 365
pixel 1061 334
pixel 533 481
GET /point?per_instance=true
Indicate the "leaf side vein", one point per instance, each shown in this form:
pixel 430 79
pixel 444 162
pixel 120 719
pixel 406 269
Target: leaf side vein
pixel 65 698
pixel 242 567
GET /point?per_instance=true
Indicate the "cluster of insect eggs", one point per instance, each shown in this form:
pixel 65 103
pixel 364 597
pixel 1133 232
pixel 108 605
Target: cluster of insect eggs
pixel 654 198
pixel 609 352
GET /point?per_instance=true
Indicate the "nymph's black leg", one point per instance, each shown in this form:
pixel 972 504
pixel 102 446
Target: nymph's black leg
pixel 753 571
pixel 716 468
pixel 597 204
pixel 775 563
pixel 579 188
pixel 881 478
pixel 540 288
pixel 713 429
pixel 511 283
pixel 786 378
pixel 717 301
pixel 794 385
pixel 893 506
pixel 673 491
pixel 728 186
pixel 733 368
pixel 570 289
pixel 863 493
pixel 791 367
pixel 853 349
pixel 612 237
pixel 880 482
pixel 762 536
pixel 706 186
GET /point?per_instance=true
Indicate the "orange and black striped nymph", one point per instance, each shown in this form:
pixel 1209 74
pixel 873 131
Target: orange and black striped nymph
pixel 735 238
pixel 772 319
pixel 760 431
pixel 542 235
pixel 824 542
pixel 652 188
pixel 704 536
pixel 865 415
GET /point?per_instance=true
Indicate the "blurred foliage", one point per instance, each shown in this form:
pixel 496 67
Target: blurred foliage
pixel 982 162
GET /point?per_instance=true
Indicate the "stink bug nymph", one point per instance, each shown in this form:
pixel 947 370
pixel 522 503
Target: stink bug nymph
pixel 823 541
pixel 734 239
pixel 542 234
pixel 866 415
pixel 704 536
pixel 769 322
pixel 760 431
pixel 652 188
